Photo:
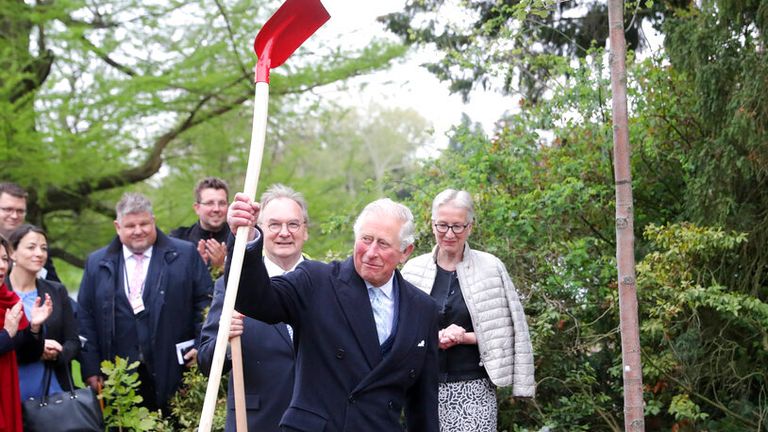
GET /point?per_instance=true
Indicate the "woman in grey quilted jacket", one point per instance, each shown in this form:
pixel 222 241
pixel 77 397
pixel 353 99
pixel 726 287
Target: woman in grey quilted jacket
pixel 484 339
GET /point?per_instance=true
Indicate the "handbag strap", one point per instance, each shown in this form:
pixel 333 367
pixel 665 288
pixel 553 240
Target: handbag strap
pixel 68 370
pixel 46 382
pixel 48 375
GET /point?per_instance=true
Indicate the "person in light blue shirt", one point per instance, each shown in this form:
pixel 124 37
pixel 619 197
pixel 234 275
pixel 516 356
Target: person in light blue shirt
pixel 29 253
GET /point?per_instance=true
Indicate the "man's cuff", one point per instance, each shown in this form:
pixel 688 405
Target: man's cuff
pixel 251 245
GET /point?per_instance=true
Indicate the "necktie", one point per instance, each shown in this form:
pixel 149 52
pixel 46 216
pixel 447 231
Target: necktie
pixel 137 278
pixel 380 314
pixel 287 326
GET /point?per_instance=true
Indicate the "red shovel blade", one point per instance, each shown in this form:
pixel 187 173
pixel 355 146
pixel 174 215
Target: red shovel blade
pixel 285 31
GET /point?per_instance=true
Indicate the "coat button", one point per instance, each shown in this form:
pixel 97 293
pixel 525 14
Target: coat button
pixel 412 373
pixel 390 405
pixel 351 399
pixel 339 353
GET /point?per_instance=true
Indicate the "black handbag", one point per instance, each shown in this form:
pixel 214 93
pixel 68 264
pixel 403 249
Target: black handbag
pixel 76 410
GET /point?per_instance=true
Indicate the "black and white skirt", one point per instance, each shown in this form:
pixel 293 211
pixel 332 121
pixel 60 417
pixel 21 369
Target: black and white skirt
pixel 467 406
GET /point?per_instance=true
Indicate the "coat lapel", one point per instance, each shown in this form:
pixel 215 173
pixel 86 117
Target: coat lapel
pixel 405 339
pixel 353 297
pixel 154 287
pixel 113 265
pixel 282 330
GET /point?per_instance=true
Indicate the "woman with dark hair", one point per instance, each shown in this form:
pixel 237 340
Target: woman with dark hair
pixel 20 341
pixel 29 253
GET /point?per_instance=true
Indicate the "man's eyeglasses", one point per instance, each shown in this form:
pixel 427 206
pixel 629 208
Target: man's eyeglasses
pixel 443 228
pixel 292 227
pixel 214 203
pixel 9 210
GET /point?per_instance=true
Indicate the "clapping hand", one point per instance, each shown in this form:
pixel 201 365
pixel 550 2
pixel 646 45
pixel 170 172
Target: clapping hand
pixel 12 319
pixel 41 310
pixel 212 251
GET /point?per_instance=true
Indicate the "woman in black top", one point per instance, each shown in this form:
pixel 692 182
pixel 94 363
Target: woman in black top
pixel 484 338
pixel 30 252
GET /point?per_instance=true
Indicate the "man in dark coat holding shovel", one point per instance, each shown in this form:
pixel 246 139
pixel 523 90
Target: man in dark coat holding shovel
pixel 366 339
pixel 268 352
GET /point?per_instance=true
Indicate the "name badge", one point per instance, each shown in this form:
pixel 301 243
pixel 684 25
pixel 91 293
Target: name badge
pixel 137 303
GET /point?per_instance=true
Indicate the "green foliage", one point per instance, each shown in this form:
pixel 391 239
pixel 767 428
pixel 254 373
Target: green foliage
pixel 693 329
pixel 721 118
pixel 187 404
pixel 121 410
pixel 517 45
pixel 682 408
pixel 138 95
pixel 543 190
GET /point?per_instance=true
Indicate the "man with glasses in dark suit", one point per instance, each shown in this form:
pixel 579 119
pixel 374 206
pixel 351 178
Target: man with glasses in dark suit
pixel 210 232
pixel 268 350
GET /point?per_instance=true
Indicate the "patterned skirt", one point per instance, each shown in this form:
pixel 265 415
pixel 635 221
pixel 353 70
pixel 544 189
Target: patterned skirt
pixel 467 406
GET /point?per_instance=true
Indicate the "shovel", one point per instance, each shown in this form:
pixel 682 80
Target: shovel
pixel 283 33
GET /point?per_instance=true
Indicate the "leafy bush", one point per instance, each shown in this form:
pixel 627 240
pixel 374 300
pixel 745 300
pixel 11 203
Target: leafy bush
pixel 543 188
pixel 123 413
pixel 187 404
pixel 121 410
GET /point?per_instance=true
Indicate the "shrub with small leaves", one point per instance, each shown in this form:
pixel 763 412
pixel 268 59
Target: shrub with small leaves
pixel 121 410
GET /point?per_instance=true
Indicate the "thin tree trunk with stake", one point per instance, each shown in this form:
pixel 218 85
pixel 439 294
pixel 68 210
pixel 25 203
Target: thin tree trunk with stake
pixel 625 239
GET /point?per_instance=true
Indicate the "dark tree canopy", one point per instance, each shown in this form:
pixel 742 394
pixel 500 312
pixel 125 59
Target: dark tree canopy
pixel 529 32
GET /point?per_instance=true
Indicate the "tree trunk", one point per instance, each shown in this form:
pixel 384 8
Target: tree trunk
pixel 625 240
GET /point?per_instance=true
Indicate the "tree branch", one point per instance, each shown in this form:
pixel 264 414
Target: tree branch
pixel 106 58
pixel 231 36
pixel 60 198
pixel 38 69
pixel 596 232
pixel 73 196
pixel 67 257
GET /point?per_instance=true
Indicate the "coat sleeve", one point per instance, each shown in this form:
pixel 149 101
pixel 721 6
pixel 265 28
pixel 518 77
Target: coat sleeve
pixel 24 343
pixel 210 331
pixel 269 300
pixel 86 319
pixel 203 289
pixel 6 343
pixel 523 381
pixel 68 339
pixel 29 347
pixel 421 402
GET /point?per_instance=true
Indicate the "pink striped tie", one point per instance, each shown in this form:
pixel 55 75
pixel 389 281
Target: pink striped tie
pixel 137 277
